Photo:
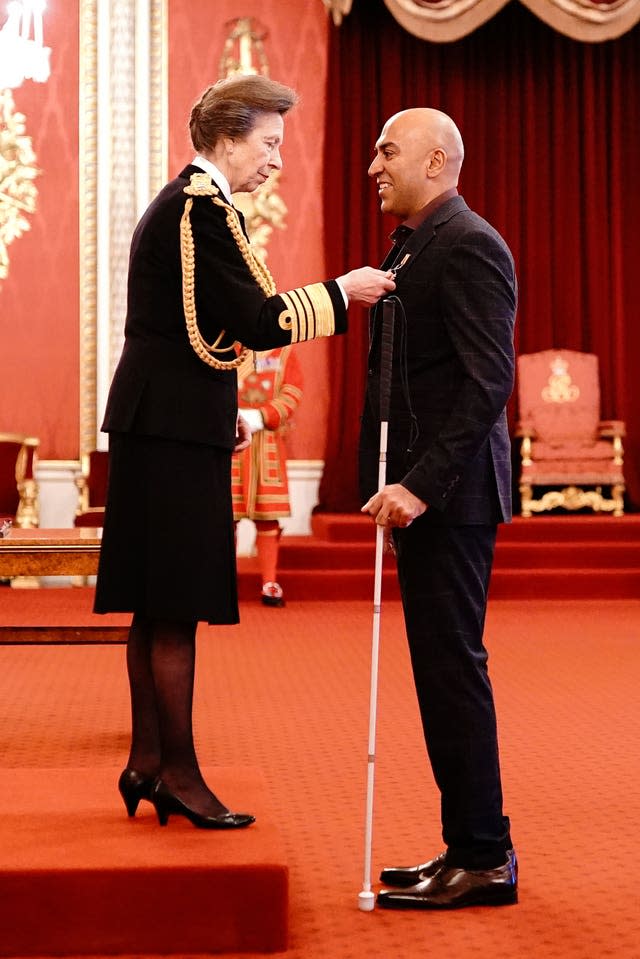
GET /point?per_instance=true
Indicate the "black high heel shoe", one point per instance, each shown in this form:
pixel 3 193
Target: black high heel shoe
pixel 167 802
pixel 134 787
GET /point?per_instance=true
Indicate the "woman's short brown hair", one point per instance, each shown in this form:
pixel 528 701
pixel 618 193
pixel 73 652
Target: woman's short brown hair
pixel 229 108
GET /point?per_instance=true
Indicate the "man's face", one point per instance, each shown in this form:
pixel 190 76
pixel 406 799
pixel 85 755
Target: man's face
pixel 253 158
pixel 399 168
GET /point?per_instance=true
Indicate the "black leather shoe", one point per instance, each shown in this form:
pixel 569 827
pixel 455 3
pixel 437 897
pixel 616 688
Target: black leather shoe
pixel 454 888
pixel 167 802
pixel 133 787
pixel 272 594
pixel 409 875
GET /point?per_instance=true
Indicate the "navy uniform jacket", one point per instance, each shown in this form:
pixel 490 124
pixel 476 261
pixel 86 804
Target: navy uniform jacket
pixel 458 290
pixel 161 387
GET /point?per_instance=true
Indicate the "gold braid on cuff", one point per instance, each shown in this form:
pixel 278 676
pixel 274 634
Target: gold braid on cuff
pixel 201 185
pixel 309 313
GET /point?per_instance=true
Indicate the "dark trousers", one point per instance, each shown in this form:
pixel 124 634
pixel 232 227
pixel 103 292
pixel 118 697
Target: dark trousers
pixel 444 575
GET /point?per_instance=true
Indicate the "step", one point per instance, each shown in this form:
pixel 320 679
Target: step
pixel 77 877
pixel 312 554
pixel 547 584
pixel 353 527
pixel 544 557
pixel 567 556
pixel 541 584
pixel 572 528
pixel 309 553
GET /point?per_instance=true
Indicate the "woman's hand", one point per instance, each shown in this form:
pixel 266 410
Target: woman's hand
pixel 243 434
pixel 367 285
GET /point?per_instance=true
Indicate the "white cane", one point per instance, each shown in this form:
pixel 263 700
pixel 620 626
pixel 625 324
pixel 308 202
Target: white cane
pixel 366 898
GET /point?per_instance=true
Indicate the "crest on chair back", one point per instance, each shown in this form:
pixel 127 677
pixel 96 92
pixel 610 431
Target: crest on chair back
pixel 559 388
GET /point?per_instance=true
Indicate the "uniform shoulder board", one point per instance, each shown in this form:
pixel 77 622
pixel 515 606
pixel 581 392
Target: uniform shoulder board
pixel 201 184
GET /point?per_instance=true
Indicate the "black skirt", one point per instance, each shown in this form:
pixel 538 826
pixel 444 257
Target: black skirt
pixel 168 545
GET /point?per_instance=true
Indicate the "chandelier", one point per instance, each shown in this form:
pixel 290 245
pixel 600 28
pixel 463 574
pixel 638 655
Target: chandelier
pixel 22 54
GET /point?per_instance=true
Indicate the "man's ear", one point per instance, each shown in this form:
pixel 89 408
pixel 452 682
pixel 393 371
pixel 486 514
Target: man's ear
pixel 436 162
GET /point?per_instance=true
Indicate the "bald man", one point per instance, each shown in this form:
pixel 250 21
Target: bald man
pixel 448 488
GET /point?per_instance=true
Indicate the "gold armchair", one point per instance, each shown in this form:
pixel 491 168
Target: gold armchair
pixel 565 447
pixel 19 494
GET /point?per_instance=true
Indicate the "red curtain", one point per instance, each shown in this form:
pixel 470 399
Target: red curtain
pixel 552 145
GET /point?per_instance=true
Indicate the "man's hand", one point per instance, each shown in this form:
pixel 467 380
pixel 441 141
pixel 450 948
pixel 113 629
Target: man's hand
pixel 367 285
pixel 243 434
pixel 394 506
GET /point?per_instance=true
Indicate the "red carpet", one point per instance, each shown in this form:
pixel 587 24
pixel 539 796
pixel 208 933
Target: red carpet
pixel 286 693
pixel 76 878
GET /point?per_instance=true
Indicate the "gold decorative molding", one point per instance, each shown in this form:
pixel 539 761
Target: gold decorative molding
pixel 159 97
pixel 89 277
pixel 264 209
pixel 88 202
pixel 573 498
pixel 559 388
pixel 18 170
pixel 242 46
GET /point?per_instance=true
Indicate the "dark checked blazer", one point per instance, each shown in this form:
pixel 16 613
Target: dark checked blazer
pixel 458 290
pixel 161 387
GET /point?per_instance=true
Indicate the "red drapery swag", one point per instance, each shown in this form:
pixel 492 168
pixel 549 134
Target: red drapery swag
pixel 552 145
pixel 446 20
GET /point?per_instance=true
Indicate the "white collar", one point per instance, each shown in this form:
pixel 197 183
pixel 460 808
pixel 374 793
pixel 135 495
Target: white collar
pixel 214 173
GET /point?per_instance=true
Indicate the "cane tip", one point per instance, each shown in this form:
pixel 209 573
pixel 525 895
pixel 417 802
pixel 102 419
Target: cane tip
pixel 366 901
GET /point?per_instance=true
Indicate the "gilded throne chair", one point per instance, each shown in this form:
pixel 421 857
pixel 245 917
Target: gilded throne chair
pixel 19 494
pixel 567 452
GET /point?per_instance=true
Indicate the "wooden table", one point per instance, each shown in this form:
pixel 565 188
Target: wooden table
pixel 50 552
pixel 54 552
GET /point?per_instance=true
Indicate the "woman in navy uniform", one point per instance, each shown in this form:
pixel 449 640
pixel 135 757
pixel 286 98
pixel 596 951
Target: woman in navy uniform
pixel 198 301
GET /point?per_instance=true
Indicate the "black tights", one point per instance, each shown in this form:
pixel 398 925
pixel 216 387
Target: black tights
pixel 161 667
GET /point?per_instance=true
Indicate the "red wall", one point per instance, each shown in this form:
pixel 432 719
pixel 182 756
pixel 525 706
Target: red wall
pixel 296 51
pixel 39 299
pixel 39 308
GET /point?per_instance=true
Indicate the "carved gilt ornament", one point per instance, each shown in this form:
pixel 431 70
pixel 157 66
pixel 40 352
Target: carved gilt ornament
pixel 559 388
pixel 264 209
pixel 23 56
pixel 18 171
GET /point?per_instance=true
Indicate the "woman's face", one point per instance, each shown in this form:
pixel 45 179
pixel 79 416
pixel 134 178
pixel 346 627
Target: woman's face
pixel 251 160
